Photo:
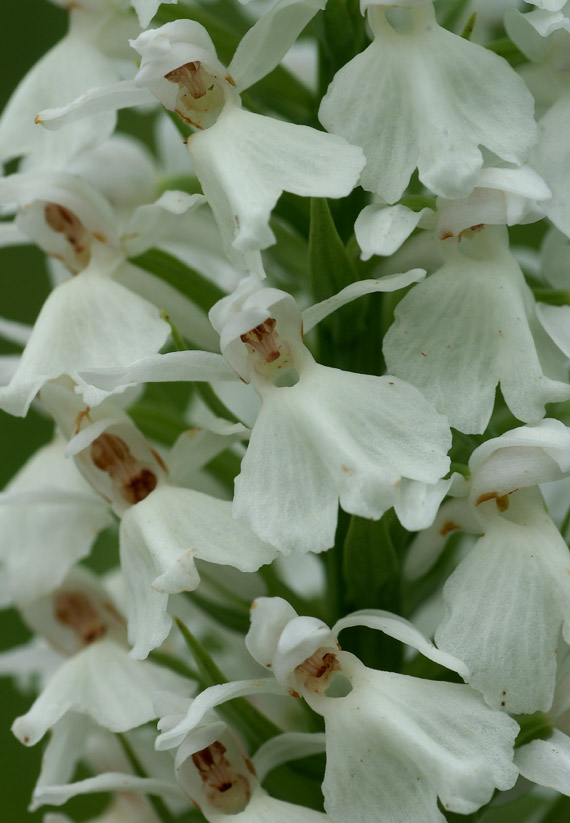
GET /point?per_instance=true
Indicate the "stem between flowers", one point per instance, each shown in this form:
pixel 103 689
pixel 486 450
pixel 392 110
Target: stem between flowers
pixel 157 803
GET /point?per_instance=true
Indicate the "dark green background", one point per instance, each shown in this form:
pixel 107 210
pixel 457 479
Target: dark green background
pixel 28 29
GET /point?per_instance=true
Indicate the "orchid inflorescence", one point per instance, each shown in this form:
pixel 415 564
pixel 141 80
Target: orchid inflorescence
pixel 309 376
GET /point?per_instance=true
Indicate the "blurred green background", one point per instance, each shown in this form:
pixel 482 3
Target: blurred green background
pixel 28 29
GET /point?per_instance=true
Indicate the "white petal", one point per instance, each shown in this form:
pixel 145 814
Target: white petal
pixel 196 447
pixel 286 747
pixel 468 327
pixel 555 254
pixel 463 96
pixel 160 538
pixel 424 739
pixel 70 67
pixel 120 95
pixel 86 322
pixel 266 43
pixel 454 515
pixel 551 158
pixel 506 603
pixel 556 322
pixel 246 160
pixel 150 223
pixel 208 700
pixel 547 762
pixel 15 332
pixel 262 808
pixel 269 616
pixel 146 9
pixel 520 458
pixel 418 503
pixel 382 229
pixel 402 630
pixel 49 518
pixel 334 436
pixel 171 367
pixel 107 782
pixel 392 282
pixel 104 683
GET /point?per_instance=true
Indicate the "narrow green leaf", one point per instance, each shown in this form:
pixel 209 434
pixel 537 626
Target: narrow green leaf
pixel 343 35
pixel 157 803
pixel 181 277
pixel 454 10
pixel 468 30
pixel 371 575
pixel 330 266
pixel 554 297
pixel 235 619
pixel 369 561
pixel 169 661
pixel 254 726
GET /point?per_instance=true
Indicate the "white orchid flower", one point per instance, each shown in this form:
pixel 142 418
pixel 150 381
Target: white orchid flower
pixel 420 96
pixel 352 435
pixel 243 160
pixel 165 526
pixel 514 584
pixel 389 732
pixel 490 335
pixel 82 623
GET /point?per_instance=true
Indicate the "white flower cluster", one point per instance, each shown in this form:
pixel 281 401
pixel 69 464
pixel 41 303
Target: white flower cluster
pixel 340 352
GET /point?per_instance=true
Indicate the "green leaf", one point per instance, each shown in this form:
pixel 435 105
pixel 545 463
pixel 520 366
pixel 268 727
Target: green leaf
pixel 157 802
pixel 369 561
pixel 169 661
pixel 181 277
pixel 452 12
pixel 330 266
pixel 235 619
pixel 507 49
pixel 559 812
pixel 468 30
pixel 371 575
pixel 254 726
pixel 537 726
pixel 342 33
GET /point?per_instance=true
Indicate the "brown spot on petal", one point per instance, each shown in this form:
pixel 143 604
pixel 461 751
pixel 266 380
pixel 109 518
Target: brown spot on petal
pixel 448 526
pixel 83 414
pixel 226 789
pixel 263 340
pixel 502 500
pixel 347 469
pixel 446 235
pixel 317 670
pixel 63 221
pixel 112 455
pixel 76 611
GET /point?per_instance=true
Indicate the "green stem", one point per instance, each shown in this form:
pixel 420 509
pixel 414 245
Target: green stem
pixel 468 30
pixel 205 391
pixel 169 661
pixel 157 803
